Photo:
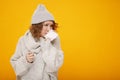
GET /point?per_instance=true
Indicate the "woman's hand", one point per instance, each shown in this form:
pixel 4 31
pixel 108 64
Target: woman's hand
pixel 30 57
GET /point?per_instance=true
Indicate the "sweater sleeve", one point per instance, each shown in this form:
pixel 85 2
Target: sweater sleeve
pixel 18 60
pixel 53 57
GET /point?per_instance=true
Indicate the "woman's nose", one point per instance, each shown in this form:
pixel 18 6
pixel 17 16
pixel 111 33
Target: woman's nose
pixel 48 28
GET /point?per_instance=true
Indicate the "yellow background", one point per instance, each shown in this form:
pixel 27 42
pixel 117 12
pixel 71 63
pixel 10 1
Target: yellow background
pixel 89 32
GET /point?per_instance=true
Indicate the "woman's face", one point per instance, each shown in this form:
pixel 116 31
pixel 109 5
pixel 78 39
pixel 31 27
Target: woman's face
pixel 47 25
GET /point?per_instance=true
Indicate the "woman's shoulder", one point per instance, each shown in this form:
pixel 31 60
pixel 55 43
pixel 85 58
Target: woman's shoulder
pixel 20 39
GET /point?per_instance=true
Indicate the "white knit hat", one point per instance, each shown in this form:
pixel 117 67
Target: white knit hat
pixel 41 14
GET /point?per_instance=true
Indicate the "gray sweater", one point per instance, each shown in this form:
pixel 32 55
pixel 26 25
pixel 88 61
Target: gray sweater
pixel 48 58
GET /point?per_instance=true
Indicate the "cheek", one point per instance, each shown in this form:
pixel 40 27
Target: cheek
pixel 43 32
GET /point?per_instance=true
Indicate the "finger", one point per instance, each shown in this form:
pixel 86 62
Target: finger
pixel 31 55
pixel 32 59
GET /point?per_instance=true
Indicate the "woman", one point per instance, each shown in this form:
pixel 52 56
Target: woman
pixel 38 57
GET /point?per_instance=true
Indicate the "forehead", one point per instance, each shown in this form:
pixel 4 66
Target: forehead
pixel 48 22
